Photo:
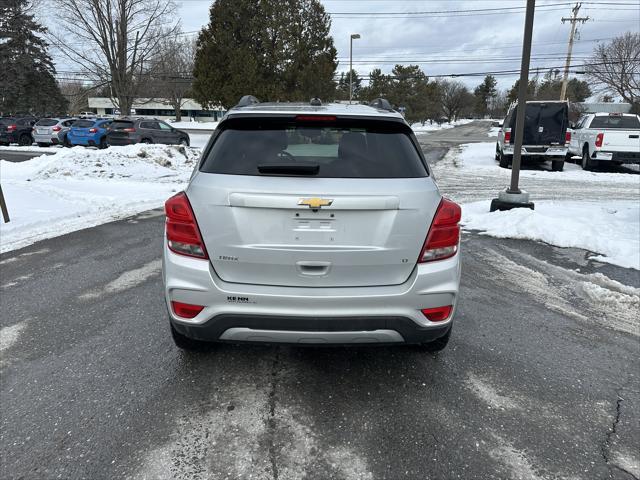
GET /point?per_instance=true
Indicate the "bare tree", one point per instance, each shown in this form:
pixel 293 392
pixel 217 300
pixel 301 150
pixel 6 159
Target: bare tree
pixel 172 70
pixel 114 40
pixel 455 98
pixel 615 66
pixel 77 94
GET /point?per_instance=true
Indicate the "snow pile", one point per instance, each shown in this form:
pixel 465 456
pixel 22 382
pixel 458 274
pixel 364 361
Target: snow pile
pixel 430 127
pixel 194 125
pixel 610 229
pixel 78 188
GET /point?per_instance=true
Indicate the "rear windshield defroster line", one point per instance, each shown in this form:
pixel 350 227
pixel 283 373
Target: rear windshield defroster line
pixel 340 148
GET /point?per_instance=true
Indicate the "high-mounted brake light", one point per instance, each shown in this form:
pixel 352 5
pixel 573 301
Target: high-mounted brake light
pixel 183 235
pixel 315 118
pixel 437 314
pixel 186 310
pixel 567 137
pixel 599 139
pixel 444 235
pixel 507 136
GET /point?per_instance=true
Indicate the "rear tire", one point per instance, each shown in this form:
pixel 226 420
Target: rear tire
pixel 557 165
pixel 66 142
pixel 146 141
pixel 103 143
pixel 505 160
pixel 587 163
pixel 438 344
pixel 184 142
pixel 186 343
pixel 25 140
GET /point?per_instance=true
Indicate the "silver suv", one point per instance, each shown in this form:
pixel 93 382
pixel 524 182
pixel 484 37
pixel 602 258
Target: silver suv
pixel 311 224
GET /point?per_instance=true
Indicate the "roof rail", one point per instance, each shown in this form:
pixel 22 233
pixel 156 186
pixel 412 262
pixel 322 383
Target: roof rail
pixel 381 103
pixel 247 100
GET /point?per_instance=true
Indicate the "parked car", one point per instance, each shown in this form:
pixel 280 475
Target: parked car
pixel 545 135
pixel 16 130
pixel 312 224
pixel 90 132
pixel 601 138
pixel 126 131
pixel 52 131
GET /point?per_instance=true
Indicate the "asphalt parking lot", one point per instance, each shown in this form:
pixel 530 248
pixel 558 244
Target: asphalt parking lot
pixel 540 379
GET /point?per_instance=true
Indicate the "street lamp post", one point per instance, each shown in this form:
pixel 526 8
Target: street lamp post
pixel 354 36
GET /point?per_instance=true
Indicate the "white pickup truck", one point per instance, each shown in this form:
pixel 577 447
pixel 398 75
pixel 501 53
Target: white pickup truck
pixel 606 137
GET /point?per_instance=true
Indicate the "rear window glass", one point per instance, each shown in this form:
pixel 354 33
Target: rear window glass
pixel 47 122
pixel 119 124
pixel 7 121
pixel 339 149
pixel 628 122
pixel 83 123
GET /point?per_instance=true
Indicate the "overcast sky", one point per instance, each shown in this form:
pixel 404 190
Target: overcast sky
pixel 457 42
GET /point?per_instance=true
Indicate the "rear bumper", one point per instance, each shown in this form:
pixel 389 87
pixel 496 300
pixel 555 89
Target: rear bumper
pixel 8 138
pixel 624 157
pixel 261 313
pixel 534 151
pixel 120 141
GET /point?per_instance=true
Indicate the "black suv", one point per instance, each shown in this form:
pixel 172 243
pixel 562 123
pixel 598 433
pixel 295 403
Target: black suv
pixel 127 131
pixel 16 130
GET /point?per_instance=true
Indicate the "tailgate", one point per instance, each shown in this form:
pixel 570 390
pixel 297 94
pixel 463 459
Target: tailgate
pixel 621 141
pixel 363 238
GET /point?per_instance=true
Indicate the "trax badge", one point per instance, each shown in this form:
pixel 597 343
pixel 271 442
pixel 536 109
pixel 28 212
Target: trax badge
pixel 315 202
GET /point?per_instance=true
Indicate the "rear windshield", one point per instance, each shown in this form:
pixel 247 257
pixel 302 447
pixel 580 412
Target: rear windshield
pixel 83 123
pixel 47 122
pixel 120 124
pixel 7 121
pixel 624 123
pixel 335 149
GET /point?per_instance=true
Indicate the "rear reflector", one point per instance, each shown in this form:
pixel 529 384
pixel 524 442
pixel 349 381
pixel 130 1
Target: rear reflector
pixel 316 118
pixel 186 310
pixel 437 314
pixel 444 234
pixel 183 235
pixel 599 139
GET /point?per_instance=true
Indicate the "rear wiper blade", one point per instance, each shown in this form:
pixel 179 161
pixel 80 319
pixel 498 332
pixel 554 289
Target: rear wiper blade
pixel 289 167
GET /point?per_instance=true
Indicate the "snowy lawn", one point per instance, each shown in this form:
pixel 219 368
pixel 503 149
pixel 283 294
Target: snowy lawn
pixel 610 229
pixel 194 125
pixel 430 127
pixel 78 188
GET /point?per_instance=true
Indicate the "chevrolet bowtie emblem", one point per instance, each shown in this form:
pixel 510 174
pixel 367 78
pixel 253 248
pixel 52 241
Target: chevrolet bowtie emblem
pixel 315 202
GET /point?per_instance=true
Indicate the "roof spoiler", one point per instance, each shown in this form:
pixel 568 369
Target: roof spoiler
pixel 382 104
pixel 247 100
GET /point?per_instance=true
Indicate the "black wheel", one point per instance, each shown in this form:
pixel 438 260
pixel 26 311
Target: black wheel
pixel 66 142
pixel 184 142
pixel 42 144
pixel 438 344
pixel 186 343
pixel 146 140
pixel 587 163
pixel 497 152
pixel 505 160
pixel 557 165
pixel 25 140
pixel 103 143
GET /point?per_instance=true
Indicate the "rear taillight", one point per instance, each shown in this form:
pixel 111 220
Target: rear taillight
pixel 437 314
pixel 183 235
pixel 186 310
pixel 444 235
pixel 56 128
pixel 599 139
pixel 93 130
pixel 130 130
pixel 12 128
pixel 567 137
pixel 507 136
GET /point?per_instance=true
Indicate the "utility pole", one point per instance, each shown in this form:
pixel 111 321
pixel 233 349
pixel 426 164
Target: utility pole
pixel 574 19
pixel 354 36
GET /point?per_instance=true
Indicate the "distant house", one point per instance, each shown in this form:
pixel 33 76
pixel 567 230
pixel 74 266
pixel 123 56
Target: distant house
pixel 158 108
pixel 603 107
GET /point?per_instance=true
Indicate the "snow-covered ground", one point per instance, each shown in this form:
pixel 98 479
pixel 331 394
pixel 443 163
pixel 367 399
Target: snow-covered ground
pixel 595 211
pixel 430 127
pixel 194 125
pixel 78 188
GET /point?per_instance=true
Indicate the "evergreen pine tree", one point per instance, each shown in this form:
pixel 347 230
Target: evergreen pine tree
pixel 28 83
